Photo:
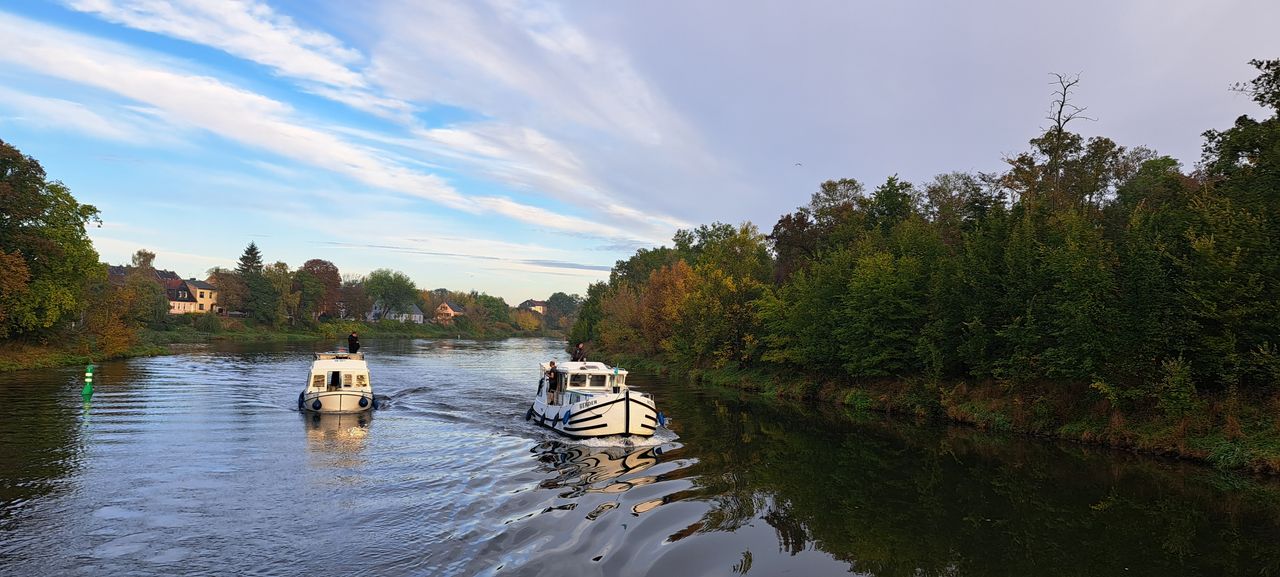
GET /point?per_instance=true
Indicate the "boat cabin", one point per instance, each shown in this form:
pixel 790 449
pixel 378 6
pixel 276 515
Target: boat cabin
pixel 579 380
pixel 338 371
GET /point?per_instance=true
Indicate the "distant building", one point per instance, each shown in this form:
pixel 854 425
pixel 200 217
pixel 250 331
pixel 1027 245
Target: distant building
pixel 185 296
pixel 447 310
pixel 539 307
pixel 205 293
pixel 411 314
pixel 180 298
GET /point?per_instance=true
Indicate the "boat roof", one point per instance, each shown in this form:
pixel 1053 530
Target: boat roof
pixel 591 368
pixel 339 361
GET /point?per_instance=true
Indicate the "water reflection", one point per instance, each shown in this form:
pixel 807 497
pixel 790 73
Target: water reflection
pixel 899 499
pixel 40 429
pixel 584 469
pixel 337 439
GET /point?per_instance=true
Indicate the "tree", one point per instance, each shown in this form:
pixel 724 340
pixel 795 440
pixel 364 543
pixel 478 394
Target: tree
pixel 562 310
pixel 326 273
pixel 620 329
pixel 14 279
pixel 356 302
pixel 262 302
pixel 890 204
pixel 250 260
pixel 44 226
pixel 287 299
pixel 233 293
pixel 794 241
pixel 526 320
pixel 393 289
pixel 311 294
pixel 883 312
pixel 662 303
pixel 143 259
pixel 1232 270
pixel 586 326
pixel 142 298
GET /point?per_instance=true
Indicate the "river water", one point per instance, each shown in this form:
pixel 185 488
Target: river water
pixel 199 464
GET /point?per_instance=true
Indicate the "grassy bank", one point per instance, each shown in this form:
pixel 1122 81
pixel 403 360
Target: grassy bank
pixel 1225 430
pixel 21 356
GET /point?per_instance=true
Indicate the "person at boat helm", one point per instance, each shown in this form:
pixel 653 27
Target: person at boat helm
pixel 551 382
pixel 353 342
pixel 579 354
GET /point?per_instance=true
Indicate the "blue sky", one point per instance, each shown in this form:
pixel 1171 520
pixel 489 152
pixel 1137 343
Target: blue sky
pixel 520 148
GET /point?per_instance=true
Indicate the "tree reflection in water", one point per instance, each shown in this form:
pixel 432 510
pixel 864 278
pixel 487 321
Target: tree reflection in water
pixel 898 498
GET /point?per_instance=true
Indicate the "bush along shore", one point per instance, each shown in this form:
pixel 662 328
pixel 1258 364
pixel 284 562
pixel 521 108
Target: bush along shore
pixel 1225 430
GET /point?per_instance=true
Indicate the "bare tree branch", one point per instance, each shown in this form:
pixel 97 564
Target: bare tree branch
pixel 1061 110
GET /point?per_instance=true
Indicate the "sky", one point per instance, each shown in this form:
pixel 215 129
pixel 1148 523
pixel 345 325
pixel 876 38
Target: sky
pixel 520 148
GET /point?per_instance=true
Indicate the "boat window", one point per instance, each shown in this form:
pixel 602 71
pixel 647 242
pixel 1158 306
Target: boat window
pixel 577 380
pixel 599 380
pixel 346 379
pixel 620 380
pixel 317 380
pixel 360 380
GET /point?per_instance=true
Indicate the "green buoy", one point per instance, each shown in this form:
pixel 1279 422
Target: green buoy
pixel 87 391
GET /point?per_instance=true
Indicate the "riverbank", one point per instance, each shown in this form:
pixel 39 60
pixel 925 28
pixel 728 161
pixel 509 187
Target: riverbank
pixel 1223 430
pixel 21 356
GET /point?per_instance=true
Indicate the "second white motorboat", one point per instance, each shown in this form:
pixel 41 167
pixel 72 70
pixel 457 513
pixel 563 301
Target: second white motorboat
pixel 589 399
pixel 338 383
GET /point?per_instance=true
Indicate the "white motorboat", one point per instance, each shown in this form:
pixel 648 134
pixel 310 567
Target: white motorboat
pixel 338 383
pixel 589 399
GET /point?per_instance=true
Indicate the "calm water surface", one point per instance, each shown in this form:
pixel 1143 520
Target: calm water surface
pixel 198 464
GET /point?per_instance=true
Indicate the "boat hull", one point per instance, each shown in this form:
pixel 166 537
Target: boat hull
pixel 336 401
pixel 625 414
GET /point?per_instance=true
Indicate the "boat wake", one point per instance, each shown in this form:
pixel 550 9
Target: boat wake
pixel 660 437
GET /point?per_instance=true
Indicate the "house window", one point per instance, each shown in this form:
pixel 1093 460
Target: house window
pixel 201 294
pixel 201 306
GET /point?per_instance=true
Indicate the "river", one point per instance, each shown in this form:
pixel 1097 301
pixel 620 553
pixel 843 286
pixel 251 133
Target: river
pixel 199 464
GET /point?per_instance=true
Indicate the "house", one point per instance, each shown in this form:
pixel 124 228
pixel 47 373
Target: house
pixel 412 314
pixel 185 296
pixel 539 307
pixel 180 298
pixel 205 293
pixel 447 310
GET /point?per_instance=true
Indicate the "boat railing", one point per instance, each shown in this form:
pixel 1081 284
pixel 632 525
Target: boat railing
pixel 332 355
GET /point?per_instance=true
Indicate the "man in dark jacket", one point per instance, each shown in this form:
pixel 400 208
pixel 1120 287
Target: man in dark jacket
pixel 353 343
pixel 579 354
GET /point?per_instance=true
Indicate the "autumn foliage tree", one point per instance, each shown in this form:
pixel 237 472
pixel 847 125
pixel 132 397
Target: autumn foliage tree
pixel 49 259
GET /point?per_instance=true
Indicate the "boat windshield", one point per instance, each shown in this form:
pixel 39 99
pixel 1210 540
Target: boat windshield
pixel 588 380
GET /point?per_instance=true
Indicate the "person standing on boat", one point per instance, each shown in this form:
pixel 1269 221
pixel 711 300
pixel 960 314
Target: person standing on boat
pixel 551 383
pixel 353 342
pixel 579 354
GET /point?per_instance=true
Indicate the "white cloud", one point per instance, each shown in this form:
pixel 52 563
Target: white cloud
pixel 253 31
pixel 518 61
pixel 489 57
pixel 248 118
pixel 125 124
pixel 247 29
